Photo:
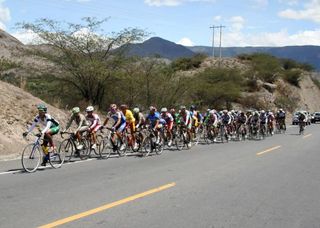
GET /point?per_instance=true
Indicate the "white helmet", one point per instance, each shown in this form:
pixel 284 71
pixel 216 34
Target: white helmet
pixel 89 109
pixel 136 110
pixel 164 110
pixel 263 112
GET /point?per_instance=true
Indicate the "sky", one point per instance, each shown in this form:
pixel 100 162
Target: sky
pixel 186 22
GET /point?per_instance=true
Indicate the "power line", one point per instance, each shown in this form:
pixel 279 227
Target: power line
pixel 220 40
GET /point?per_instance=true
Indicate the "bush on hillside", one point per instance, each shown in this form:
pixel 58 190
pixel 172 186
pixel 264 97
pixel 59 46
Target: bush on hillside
pixel 188 63
pixel 293 77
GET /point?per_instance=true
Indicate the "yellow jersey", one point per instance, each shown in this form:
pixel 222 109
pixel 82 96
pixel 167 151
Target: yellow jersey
pixel 129 116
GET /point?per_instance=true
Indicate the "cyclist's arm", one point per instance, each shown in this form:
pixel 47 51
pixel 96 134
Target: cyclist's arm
pixel 69 123
pixel 118 122
pixel 49 124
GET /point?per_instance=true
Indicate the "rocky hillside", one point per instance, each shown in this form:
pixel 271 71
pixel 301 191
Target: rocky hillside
pixel 17 110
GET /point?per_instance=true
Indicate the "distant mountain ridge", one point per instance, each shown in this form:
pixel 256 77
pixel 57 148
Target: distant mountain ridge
pixel 304 54
pixel 157 46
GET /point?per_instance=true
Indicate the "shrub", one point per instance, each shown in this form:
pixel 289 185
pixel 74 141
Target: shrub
pixel 293 77
pixel 188 63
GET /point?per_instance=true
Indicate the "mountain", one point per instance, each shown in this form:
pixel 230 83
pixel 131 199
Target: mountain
pixel 157 46
pixel 303 54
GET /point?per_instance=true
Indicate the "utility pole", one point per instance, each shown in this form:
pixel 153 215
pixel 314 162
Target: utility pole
pixel 220 52
pixel 213 28
pixel 220 27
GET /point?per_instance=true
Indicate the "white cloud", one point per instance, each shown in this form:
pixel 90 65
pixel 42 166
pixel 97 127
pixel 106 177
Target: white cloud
pixel 172 2
pixel 311 12
pixel 185 42
pixel 4 15
pixel 237 23
pixel 290 2
pixel 217 18
pixel 280 38
pixel 26 36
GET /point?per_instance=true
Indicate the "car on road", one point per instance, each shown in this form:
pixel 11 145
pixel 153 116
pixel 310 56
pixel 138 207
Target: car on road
pixel 315 117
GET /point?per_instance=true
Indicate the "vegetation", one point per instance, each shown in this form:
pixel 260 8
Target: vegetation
pixel 185 64
pixel 92 69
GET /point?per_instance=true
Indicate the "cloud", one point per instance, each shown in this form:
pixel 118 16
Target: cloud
pixel 26 36
pixel 159 3
pixel 4 15
pixel 185 42
pixel 280 38
pixel 237 23
pixel 310 12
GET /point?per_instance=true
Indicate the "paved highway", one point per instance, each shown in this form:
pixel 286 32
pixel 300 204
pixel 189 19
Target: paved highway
pixel 269 183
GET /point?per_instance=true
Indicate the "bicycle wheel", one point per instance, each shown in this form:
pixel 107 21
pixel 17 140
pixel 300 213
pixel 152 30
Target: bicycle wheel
pixel 159 146
pixel 105 148
pixel 178 140
pixel 57 158
pixel 31 158
pixel 147 147
pixel 123 147
pixel 99 142
pixel 66 147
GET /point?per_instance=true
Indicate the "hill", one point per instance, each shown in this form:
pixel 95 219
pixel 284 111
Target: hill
pixel 303 54
pixel 157 46
pixel 18 109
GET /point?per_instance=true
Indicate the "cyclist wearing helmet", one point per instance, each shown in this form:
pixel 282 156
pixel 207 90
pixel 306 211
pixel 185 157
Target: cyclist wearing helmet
pixel 94 125
pixel 281 118
pixel 82 125
pixel 119 124
pixel 194 115
pixel 186 120
pixel 139 117
pixel 176 116
pixel 131 123
pixel 154 120
pixel 168 123
pixel 51 127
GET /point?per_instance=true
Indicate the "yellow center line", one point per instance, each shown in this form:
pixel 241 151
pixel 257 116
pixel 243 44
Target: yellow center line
pixel 306 136
pixel 107 206
pixel 268 150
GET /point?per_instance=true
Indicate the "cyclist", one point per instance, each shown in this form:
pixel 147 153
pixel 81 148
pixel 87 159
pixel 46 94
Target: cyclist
pixel 139 117
pixel 242 120
pixel 281 118
pixel 270 120
pixel 131 123
pixel 263 119
pixel 168 123
pixel 302 121
pixel 176 116
pixel 94 125
pixel 119 124
pixel 153 119
pixel 186 120
pixel 82 123
pixel 51 127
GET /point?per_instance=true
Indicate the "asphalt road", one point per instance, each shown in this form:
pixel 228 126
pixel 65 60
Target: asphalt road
pixel 269 183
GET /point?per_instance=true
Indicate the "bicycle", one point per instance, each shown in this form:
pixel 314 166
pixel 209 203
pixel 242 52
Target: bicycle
pixel 112 144
pixel 151 144
pixel 69 147
pixel 33 153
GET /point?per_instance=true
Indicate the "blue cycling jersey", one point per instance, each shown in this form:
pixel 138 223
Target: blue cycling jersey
pixel 153 118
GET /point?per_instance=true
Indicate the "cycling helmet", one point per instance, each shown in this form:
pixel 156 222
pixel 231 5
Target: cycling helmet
pixel 192 107
pixel 263 112
pixel 225 111
pixel 42 107
pixel 89 109
pixel 136 110
pixel 164 110
pixel 182 107
pixel 172 110
pixel 75 110
pixel 152 108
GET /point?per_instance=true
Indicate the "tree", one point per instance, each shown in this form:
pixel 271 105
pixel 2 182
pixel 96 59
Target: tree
pixel 87 59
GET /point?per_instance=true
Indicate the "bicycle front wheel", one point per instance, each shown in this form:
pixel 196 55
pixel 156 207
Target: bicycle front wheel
pixel 31 158
pixel 66 147
pixel 56 158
